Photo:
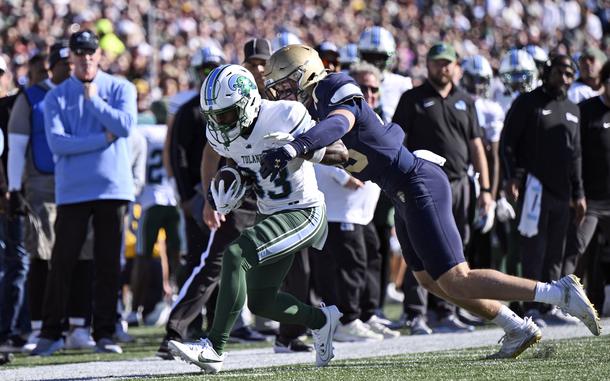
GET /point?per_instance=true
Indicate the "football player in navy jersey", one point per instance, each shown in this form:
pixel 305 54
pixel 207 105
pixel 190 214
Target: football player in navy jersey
pixel 421 195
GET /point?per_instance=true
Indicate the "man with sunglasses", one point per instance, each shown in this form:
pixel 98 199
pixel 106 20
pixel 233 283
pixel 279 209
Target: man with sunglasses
pixel 88 119
pixel 441 117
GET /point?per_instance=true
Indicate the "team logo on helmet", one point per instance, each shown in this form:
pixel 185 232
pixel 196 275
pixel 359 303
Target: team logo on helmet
pixel 241 84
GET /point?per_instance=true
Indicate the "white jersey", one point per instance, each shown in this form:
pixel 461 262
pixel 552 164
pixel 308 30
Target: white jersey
pixel 491 118
pixel 392 88
pixel 157 188
pixel 353 206
pixel 579 92
pixel 295 187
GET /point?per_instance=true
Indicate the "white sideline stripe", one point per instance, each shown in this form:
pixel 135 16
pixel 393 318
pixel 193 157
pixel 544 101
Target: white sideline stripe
pixel 264 357
pixel 195 271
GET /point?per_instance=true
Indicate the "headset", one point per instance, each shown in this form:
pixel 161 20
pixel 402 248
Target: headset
pixel 557 60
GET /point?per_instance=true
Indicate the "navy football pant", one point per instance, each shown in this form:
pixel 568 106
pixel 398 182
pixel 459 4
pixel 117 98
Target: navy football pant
pixel 425 224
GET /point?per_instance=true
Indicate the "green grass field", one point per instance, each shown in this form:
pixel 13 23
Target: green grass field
pixel 574 359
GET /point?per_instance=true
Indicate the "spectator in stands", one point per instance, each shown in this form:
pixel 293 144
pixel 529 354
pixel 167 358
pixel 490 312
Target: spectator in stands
pixel 588 84
pixel 93 136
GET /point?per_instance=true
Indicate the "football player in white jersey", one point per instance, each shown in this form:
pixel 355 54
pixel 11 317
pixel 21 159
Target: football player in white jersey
pixel 158 202
pixel 292 215
pixel 377 46
pixel 518 74
pixel 476 79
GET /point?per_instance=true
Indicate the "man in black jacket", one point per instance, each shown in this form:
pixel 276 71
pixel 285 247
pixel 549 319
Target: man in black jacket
pixel 595 142
pixel 541 154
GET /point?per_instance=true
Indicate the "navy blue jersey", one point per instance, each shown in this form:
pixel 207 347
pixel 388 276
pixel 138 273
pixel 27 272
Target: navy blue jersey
pixel 376 150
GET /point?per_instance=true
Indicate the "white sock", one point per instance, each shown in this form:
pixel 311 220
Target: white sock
pixel 547 293
pixel 507 319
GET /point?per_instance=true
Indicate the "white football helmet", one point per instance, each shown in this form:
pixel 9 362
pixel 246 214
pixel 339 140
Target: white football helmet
pixel 208 54
pixel 518 71
pixel 477 75
pixel 348 55
pixel 284 39
pixel 537 53
pixel 377 46
pixel 230 101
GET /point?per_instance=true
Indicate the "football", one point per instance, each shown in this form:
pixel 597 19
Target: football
pixel 228 175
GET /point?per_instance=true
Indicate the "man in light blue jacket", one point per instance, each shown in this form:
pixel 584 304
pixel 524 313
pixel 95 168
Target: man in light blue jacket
pixel 87 121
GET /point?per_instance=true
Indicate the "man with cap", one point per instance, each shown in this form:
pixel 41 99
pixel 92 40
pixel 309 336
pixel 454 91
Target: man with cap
pixel 256 53
pixel 588 84
pixel 88 119
pixel 440 117
pixel 32 192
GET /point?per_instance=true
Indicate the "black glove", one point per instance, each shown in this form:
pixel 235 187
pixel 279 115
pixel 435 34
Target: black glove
pixel 273 161
pixel 16 204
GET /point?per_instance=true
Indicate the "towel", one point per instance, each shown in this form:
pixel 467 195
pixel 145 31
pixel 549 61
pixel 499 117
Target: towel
pixel 528 225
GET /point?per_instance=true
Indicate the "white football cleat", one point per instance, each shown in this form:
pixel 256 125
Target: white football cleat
pixel 200 353
pixel 574 301
pixel 323 337
pixel 518 340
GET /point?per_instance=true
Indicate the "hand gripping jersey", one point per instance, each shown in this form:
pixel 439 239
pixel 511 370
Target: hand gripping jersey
pixel 296 186
pixel 157 189
pixel 376 150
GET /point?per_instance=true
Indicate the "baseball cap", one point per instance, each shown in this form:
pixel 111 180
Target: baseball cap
pixel 442 51
pixel 595 53
pixel 84 40
pixel 257 48
pixel 58 51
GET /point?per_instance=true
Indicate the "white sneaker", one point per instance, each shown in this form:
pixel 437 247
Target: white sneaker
pixel 518 340
pixel 356 331
pixel 200 353
pixel 32 341
pixel 376 325
pixel 79 338
pixel 393 295
pixel 323 337
pixel 574 301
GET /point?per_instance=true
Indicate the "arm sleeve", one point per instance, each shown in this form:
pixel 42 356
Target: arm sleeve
pixel 19 121
pixel 514 126
pixel 578 190
pixel 16 159
pixel 118 119
pixel 62 143
pixel 327 131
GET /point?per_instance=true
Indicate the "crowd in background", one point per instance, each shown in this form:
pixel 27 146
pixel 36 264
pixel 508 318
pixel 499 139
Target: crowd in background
pixel 154 40
pixel 154 45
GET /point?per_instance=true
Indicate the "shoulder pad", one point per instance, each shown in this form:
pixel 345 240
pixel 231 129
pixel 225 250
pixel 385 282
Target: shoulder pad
pixel 346 92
